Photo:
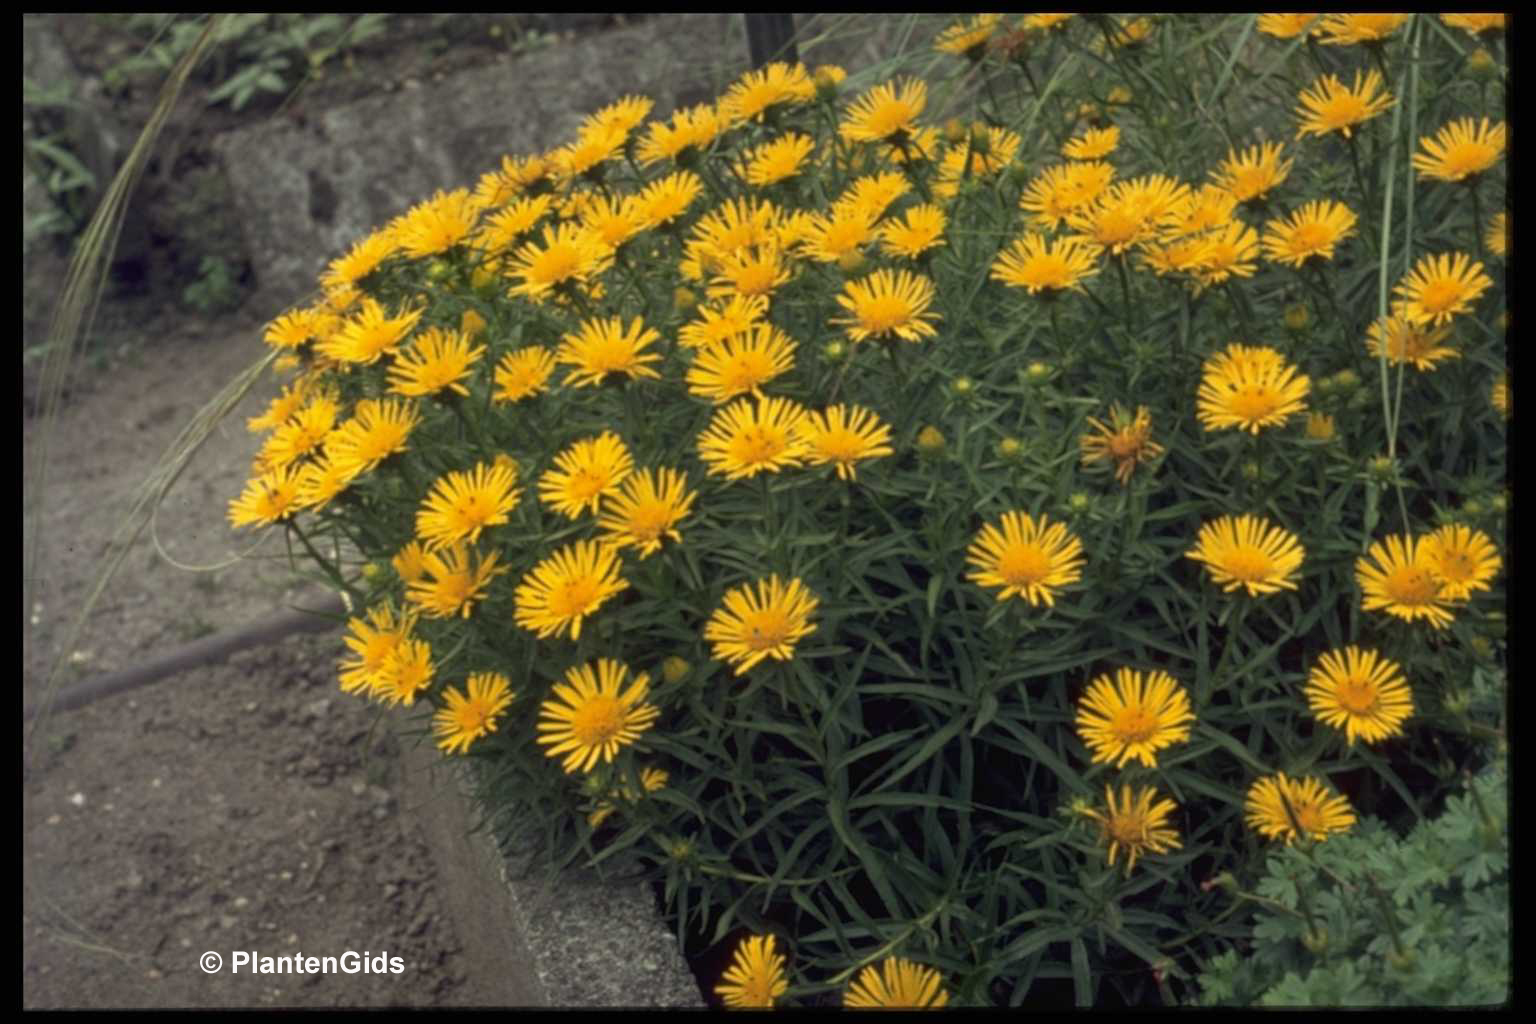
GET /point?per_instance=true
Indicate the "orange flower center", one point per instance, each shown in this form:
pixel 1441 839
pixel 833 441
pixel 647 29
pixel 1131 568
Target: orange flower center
pixel 1439 296
pixel 1248 563
pixel 1357 696
pixel 1254 403
pixel 1024 565
pixel 1412 585
pixel 768 630
pixel 1311 237
pixel 883 313
pixel 573 598
pixel 757 446
pixel 597 721
pixel 1135 725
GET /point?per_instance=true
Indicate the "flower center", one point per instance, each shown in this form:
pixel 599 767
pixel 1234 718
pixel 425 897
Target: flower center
pixel 1248 563
pixel 1310 238
pixel 573 597
pixel 1357 696
pixel 1254 403
pixel 648 523
pixel 1439 296
pixel 884 312
pixel 1024 565
pixel 1116 227
pixel 1135 725
pixel 1412 585
pixel 1308 815
pixel 1127 828
pixel 597 721
pixel 1455 566
pixel 1049 273
pixel 755 446
pixel 556 265
pixel 767 632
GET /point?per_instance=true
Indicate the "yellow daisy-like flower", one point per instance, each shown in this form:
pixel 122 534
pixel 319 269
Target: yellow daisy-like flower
pixel 1058 192
pixel 842 436
pixel 602 347
pixel 1026 558
pixel 410 562
pixel 452 581
pixel 757 92
pixel 438 224
pixel 1250 388
pixel 754 270
pixel 1477 24
pixel 1398 577
pixel 366 337
pixel 920 229
pixel 985 152
pixel 461 504
pixel 362 259
pixel 378 429
pixel 622 115
pixel 374 641
pixel 1289 26
pixel 664 200
pixel 584 473
pixel 1283 808
pixel 1047 22
pixel 497 188
pixel 651 780
pixel 595 145
pixel 887 111
pixel 616 220
pixel 1406 343
pixel 968 37
pixel 570 256
pixel 408 670
pixel 1461 150
pixel 873 193
pixel 507 226
pixel 688 131
pixel 1126 441
pixel 741 365
pixel 732 226
pixel 1252 173
pixel 1462 558
pixel 592 714
pixel 1230 251
pixel 756 976
pixel 1309 233
pixel 1130 213
pixel 830 239
pixel 523 374
pixel 762 622
pixel 895 982
pixel 719 322
pixel 1497 238
pixel 303 433
pixel 776 161
pixel 271 497
pixel 1133 715
pixel 471 713
pixel 1135 824
pixel 647 508
pixel 281 408
pixel 567 587
pixel 1348 29
pixel 1500 395
pixel 322 480
pixel 437 360
pixel 1331 107
pixel 1439 287
pixel 888 303
pixel 1039 265
pixel 1092 144
pixel 297 327
pixel 1249 552
pixel 1360 692
pixel 748 438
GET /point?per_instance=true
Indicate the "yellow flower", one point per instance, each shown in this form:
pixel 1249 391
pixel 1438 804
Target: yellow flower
pixel 748 438
pixel 1439 287
pixel 408 670
pixel 1092 144
pixel 1497 238
pixel 591 715
pixel 756 975
pixel 1501 395
pixel 602 347
pixel 281 408
pixel 983 154
pixel 1133 716
pixel 497 188
pixel 1347 29
pixel 1289 26
pixel 829 239
pixel 742 364
pixel 1311 231
pixel 732 226
pixel 651 780
pixel 1126 440
pixel 689 131
pixel 472 714
pixel 647 507
pixel 749 271
pixel 369 335
pixel 1026 558
pixel 567 587
pixel 888 303
pixel 1320 426
pixel 1130 213
pixel 437 360
pixel 523 373
pixel 1462 558
pixel 461 504
pixel 895 982
pixel 1039 265
pixel 1284 808
pixel 1058 192
pixel 324 479
pixel 719 322
pixel 584 473
pixel 267 499
pixel 1360 692
pixel 438 224
pixel 1477 24
pixel 571 255
pixel 451 582
pixel 595 145
pixel 1406 343
pixel 1252 173
pixel 614 220
pixel 762 622
pixel 362 259
pixel 872 194
pixel 1135 824
pixel 842 436
pixel 410 562
pixel 378 429
pixel 775 161
pixel 622 115
pixel 757 92
pixel 297 327
pixel 1250 387
pixel 1397 576
pixel 1230 251
pixel 1462 149
pixel 303 433
pixel 1249 552
pixel 968 37
pixel 1331 107
pixel 373 641
pixel 1046 22
pixel 921 229
pixel 886 112
pixel 664 200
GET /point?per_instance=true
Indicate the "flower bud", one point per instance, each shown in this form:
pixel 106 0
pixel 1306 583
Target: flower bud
pixel 827 78
pixel 1382 469
pixel 1320 426
pixel 438 269
pixel 1480 64
pixel 1297 317
pixel 471 324
pixel 1316 940
pixel 1499 503
pixel 674 669
pixel 981 138
pixel 1119 96
pixel 685 299
pixel 1038 372
pixel 1010 448
pixel 1404 961
pixel 372 571
pixel 834 351
pixel 850 261
pixel 930 441
pixel 962 386
pixel 1472 508
pixel 1079 502
pixel 1252 471
pixel 955 131
pixel 1346 380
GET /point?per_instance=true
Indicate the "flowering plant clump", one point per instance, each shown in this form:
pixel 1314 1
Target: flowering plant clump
pixel 934 548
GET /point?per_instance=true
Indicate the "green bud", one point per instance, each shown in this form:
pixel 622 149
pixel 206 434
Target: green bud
pixel 1252 471
pixel 1080 502
pixel 1382 469
pixel 1346 380
pixel 674 669
pixel 1038 372
pixel 962 386
pixel 1480 64
pixel 1472 508
pixel 1404 961
pixel 1010 448
pixel 930 441
pixel 1298 317
pixel 1499 503
pixel 834 351
pixel 1316 940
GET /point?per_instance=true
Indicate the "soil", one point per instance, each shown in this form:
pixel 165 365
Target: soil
pixel 247 806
